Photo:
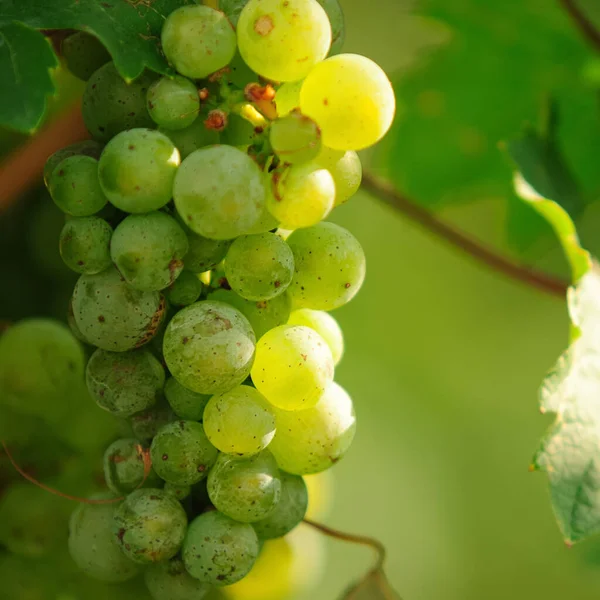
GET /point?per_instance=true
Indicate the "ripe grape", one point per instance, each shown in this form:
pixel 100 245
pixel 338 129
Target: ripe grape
pixel 290 509
pixel 111 105
pixel 198 40
pixel 325 325
pixel 90 148
pixel 330 267
pixel 137 169
pixel 124 468
pixel 192 138
pixel 114 316
pixel 293 367
pixel 346 170
pixel 173 103
pixel 185 290
pixel 301 195
pixel 338 26
pixel 84 244
pixel 93 545
pixel 186 404
pixel 181 492
pixel 149 526
pixel 124 383
pixel 218 550
pixel 351 99
pixel 287 97
pixel 239 421
pixel 259 267
pixel 148 250
pixel 209 347
pixel 313 440
pixel 283 41
pixel 181 453
pixel 169 580
pixel 146 424
pixel 204 254
pixel 84 54
pixel 219 192
pixel 75 187
pixel 295 138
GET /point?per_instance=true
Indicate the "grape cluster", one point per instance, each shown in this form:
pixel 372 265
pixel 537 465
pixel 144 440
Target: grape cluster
pixel 195 221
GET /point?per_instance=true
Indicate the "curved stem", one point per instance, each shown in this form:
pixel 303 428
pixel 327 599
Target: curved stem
pixel 585 26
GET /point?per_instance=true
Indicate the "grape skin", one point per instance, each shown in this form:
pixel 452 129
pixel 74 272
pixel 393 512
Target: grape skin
pixel 185 290
pixel 325 325
pixel 288 97
pixel 185 403
pixel 124 469
pixel 87 148
pixel 346 170
pixel 84 244
pixel 192 138
pixel 169 580
pixel 173 103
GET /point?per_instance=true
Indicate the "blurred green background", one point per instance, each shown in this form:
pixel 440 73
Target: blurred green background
pixel 444 357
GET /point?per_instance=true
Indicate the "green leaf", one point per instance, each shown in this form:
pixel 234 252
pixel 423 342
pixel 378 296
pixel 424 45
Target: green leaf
pixel 375 586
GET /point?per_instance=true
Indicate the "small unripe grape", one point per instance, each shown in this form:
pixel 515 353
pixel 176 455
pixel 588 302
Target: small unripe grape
pixel 287 97
pixel 84 54
pixel 90 148
pixel 185 290
pixel 125 469
pixel 295 138
pixel 173 103
pixel 325 325
pixel 85 244
pixel 204 254
pixel 346 170
pixel 192 138
pixel 186 404
pixel 169 580
pixel 146 424
pixel 181 492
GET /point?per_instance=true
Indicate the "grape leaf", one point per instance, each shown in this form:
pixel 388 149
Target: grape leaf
pixel 375 586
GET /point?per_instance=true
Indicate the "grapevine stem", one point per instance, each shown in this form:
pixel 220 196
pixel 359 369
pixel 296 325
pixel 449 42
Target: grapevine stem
pixel 398 201
pixel 585 26
pixel 353 539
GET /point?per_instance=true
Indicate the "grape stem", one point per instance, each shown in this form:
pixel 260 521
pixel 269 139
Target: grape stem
pixel 585 26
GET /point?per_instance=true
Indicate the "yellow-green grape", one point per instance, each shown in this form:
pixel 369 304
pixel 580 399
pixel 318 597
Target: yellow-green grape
pixel 111 105
pixel 287 97
pixel 94 547
pixel 87 148
pixel 186 404
pixel 351 99
pixel 218 550
pixel 125 469
pixel 313 440
pixel 290 509
pixel 209 347
pixel 169 580
pixel 84 54
pixel 293 367
pixel 181 453
pixel 346 170
pixel 283 41
pixel 185 290
pixel 149 250
pixel 325 325
pixel 84 244
pixel 124 383
pixel 112 315
pixel 149 526
pixel 219 192
pixel 259 267
pixel 137 169
pixel 330 267
pixel 204 254
pixel 295 138
pixel 192 138
pixel 198 40
pixel 263 315
pixel 181 492
pixel 338 26
pixel 147 423
pixel 301 195
pixel 75 188
pixel 173 103
pixel 239 421
pixel 245 489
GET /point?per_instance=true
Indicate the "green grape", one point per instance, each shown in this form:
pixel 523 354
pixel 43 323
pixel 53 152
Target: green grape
pixel 94 547
pixel 185 290
pixel 124 383
pixel 245 489
pixel 240 74
pixel 293 367
pixel 111 105
pixel 40 362
pixel 124 468
pixel 173 103
pixel 239 421
pixel 146 424
pixel 204 254
pixel 301 195
pixel 259 267
pixel 186 404
pixel 209 347
pixel 137 169
pixel 338 25
pixel 114 316
pixel 192 138
pixel 325 325
pixel 263 315
pixel 181 453
pixel 87 148
pixel 330 267
pixel 290 509
pixel 287 97
pixel 73 324
pixel 295 138
pixel 266 222
pixel 283 41
pixel 198 40
pixel 84 54
pixel 346 170
pixel 75 187
pixel 219 192
pixel 149 526
pixel 239 132
pixel 344 89
pixel 218 550
pixel 232 9
pixel 148 250
pixel 85 244
pixel 181 492
pixel 170 581
pixel 313 440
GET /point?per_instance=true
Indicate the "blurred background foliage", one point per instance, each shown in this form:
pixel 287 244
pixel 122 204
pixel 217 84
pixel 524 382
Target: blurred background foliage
pixel 444 356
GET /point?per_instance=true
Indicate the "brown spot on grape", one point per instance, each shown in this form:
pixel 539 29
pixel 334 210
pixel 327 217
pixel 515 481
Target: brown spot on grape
pixel 264 25
pixel 101 319
pixel 165 457
pixel 348 285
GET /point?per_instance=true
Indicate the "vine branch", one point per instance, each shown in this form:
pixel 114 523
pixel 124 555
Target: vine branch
pixel 585 26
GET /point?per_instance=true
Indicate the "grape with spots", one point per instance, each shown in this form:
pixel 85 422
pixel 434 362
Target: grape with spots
pixel 84 54
pixel 185 290
pixel 173 103
pixel 295 138
pixel 325 325
pixel 147 423
pixel 181 492
pixel 169 580
pixel 204 254
pixel 193 137
pixel 90 148
pixel 85 244
pixel 125 467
